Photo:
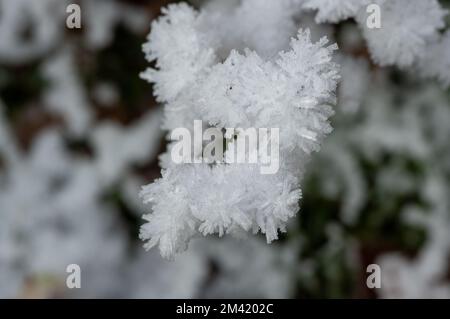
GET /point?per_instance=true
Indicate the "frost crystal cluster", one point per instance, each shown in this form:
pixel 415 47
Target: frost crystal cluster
pixel 217 76
pixel 408 34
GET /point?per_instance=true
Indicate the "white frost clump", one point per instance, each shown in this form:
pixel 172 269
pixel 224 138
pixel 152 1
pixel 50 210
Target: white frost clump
pixel 263 25
pixel 407 26
pixel 333 11
pixel 45 21
pixel 192 199
pixel 292 90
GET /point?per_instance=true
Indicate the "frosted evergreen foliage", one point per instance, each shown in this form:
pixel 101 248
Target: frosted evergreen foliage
pixel 292 90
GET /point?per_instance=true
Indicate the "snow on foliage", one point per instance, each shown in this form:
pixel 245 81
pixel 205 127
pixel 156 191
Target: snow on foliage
pixel 292 90
pixel 332 11
pixel 406 26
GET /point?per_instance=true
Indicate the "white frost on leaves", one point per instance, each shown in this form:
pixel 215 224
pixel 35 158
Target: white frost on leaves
pixel 341 177
pixel 199 199
pixel 118 147
pixel 43 20
pixel 292 90
pixel 178 50
pixel 425 276
pixel 353 87
pixel 436 61
pixel 30 29
pixel 50 217
pixel 65 94
pixel 406 28
pixel 385 131
pixel 332 11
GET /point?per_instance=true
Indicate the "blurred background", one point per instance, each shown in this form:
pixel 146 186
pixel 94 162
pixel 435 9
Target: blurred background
pixel 80 134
